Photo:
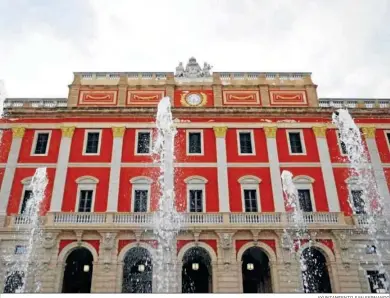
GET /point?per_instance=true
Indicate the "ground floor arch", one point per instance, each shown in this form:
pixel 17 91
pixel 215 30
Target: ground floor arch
pixel 196 272
pixel 137 271
pixel 315 275
pixel 78 271
pixel 256 271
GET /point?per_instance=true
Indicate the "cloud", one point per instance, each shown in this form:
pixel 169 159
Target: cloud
pixel 345 44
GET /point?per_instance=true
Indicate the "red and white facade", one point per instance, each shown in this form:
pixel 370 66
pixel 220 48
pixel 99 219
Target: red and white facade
pixel 118 107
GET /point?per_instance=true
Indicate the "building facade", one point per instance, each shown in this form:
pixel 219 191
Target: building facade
pixel 236 133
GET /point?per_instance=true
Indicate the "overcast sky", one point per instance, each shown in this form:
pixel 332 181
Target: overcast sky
pixel 344 43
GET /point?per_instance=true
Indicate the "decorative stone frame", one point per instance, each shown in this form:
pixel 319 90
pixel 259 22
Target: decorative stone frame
pixel 330 263
pixel 250 131
pixel 302 182
pixel 86 183
pixel 196 183
pixel 300 131
pixel 249 182
pixel 137 131
pixel 121 258
pixel 271 259
pixel 63 255
pixel 140 183
pixel 214 263
pixel 34 144
pixel 86 139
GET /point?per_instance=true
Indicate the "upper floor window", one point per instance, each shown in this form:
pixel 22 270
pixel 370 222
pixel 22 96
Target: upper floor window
pixel 295 142
pixel 245 142
pixel 194 142
pixel 196 194
pixel 92 142
pixel 388 138
pixel 41 143
pixel 141 193
pixel 357 200
pixel 26 195
pixel 305 200
pixel 304 186
pixel 377 281
pixel 86 192
pixel 250 193
pixel 342 146
pixel 143 142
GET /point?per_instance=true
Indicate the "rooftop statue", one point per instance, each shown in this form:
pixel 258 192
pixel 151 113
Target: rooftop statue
pixel 193 69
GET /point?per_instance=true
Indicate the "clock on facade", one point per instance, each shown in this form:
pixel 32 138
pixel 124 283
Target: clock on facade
pixel 194 99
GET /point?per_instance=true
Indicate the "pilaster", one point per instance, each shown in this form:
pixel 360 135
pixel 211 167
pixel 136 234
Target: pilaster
pixel 326 168
pixel 276 182
pixel 62 168
pixel 9 173
pixel 223 186
pixel 113 190
pixel 122 90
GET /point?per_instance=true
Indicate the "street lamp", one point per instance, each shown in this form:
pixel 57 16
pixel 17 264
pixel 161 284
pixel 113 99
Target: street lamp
pixel 141 268
pixel 195 266
pixel 86 268
pixel 250 266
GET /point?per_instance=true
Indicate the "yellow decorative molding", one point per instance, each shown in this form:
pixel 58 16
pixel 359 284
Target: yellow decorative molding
pixel 369 132
pixel 118 132
pixel 18 132
pixel 220 131
pixel 270 132
pixel 67 131
pixel 320 131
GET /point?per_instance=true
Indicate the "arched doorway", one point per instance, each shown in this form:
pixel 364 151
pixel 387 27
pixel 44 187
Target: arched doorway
pixel 78 271
pixel 14 282
pixel 197 271
pixel 256 273
pixel 137 271
pixel 315 275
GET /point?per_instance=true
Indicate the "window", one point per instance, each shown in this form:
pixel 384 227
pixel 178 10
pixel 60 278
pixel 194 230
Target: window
pixel 245 143
pixel 143 142
pixel 377 282
pixel 296 143
pixel 92 142
pixel 196 200
pixel 196 193
pixel 14 282
pixel 26 196
pixel 20 249
pixel 388 138
pixel 343 147
pixel 41 142
pixel 85 204
pixel 140 200
pixel 305 200
pixel 250 200
pixel 357 200
pixel 370 249
pixel 194 142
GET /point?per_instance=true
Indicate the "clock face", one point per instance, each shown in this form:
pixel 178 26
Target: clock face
pixel 194 99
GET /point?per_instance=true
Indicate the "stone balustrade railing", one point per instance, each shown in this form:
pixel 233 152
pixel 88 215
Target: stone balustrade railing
pixel 188 220
pixel 354 103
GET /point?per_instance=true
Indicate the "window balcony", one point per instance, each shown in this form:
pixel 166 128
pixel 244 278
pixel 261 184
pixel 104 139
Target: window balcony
pixel 147 220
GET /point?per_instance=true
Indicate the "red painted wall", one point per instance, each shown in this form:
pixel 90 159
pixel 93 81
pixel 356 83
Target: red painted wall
pixel 27 144
pixel 5 145
pixel 340 175
pixel 76 149
pixel 212 243
pixel 209 147
pixel 260 147
pixel 310 145
pixel 383 145
pixel 17 189
pixel 318 185
pixel 266 196
pixel 269 242
pixel 70 196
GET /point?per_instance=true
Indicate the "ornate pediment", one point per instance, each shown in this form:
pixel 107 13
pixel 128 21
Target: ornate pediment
pixel 193 70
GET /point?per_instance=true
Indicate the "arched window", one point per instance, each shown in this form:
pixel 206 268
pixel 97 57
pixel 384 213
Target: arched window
pixel 141 189
pixel 355 195
pixel 304 186
pixel 86 192
pixel 250 193
pixel 26 194
pixel 196 194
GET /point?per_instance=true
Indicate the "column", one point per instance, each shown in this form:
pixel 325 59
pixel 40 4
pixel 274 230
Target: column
pixel 379 174
pixel 327 169
pixel 223 185
pixel 113 190
pixel 17 135
pixel 276 181
pixel 62 169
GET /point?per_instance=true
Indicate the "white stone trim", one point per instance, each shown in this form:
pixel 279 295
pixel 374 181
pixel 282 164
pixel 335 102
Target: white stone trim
pixel 86 183
pixel 303 182
pixel 250 131
pixel 137 131
pixel 34 144
pixel 86 138
pixel 300 131
pixel 141 183
pixel 250 183
pixel 196 183
pixel 188 131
